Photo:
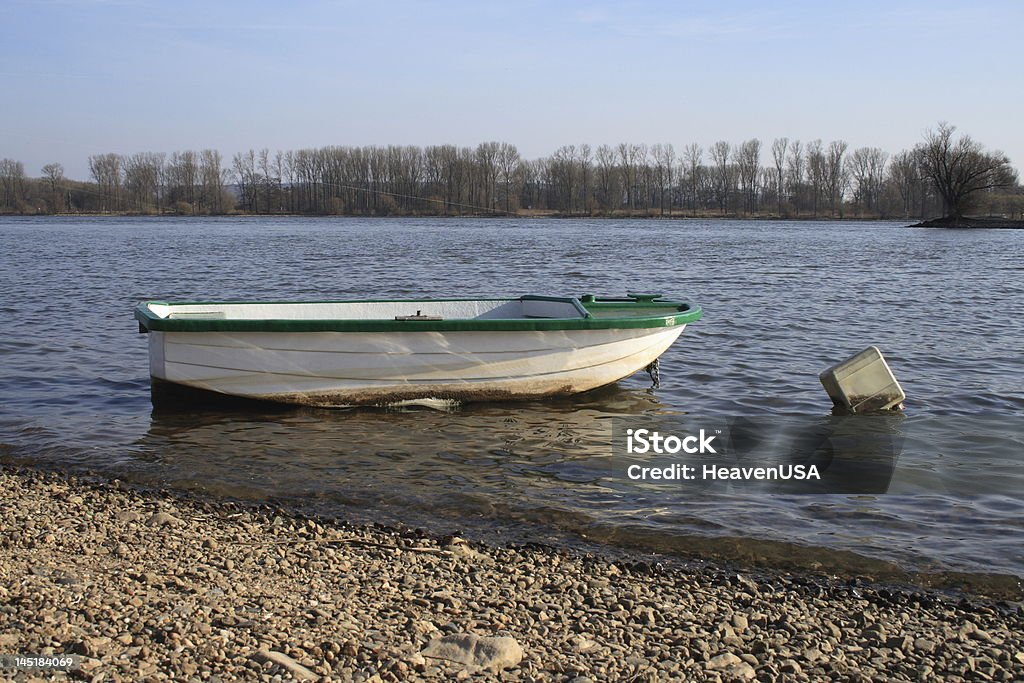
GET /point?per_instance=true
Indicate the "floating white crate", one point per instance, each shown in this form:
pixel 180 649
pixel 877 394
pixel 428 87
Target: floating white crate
pixel 863 383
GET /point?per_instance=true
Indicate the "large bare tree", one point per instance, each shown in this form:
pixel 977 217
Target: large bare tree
pixel 961 168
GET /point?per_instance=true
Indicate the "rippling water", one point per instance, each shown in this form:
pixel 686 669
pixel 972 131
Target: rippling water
pixel 782 301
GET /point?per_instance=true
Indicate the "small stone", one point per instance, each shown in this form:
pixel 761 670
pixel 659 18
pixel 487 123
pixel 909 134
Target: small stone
pixel 210 544
pixel 739 672
pixel 833 630
pixel 739 622
pixel 924 645
pixel 582 643
pixel 128 516
pixel 903 643
pixel 724 661
pixel 750 585
pixel 423 627
pixel 91 647
pixel 163 519
pixel 874 633
pixel 789 666
pixel 460 548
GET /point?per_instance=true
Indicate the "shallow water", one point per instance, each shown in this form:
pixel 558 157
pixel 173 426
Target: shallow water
pixel 782 301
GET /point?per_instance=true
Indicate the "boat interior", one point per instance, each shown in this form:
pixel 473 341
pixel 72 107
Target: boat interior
pixel 480 309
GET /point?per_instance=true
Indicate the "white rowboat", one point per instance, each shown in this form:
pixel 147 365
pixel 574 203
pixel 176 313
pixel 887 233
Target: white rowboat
pixel 347 353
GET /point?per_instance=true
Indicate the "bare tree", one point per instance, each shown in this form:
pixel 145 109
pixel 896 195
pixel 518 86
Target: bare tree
pixel 605 176
pixel 564 174
pixel 748 160
pixel 816 173
pixel 642 175
pixel 723 173
pixel 181 178
pixel 959 169
pixel 508 172
pixel 867 168
pixel 905 176
pixel 693 157
pixel 586 171
pixel 779 147
pixel 796 167
pixel 214 178
pixel 106 170
pixel 487 161
pixel 12 179
pixel 627 169
pixel 143 174
pixel 665 161
pixel 836 175
pixel 247 177
pixel 54 174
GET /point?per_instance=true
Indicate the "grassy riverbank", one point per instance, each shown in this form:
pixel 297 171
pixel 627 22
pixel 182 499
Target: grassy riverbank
pixel 149 586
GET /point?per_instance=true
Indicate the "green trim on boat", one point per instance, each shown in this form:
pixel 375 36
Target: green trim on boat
pixel 597 314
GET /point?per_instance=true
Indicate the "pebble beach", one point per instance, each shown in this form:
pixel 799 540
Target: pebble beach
pixel 155 586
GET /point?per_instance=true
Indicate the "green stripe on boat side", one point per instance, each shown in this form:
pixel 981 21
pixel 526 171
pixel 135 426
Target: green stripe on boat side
pixel 679 313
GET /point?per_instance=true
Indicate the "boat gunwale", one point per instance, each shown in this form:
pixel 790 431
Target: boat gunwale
pixel 686 312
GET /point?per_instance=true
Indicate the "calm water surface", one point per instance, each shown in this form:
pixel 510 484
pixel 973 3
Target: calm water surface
pixel 782 301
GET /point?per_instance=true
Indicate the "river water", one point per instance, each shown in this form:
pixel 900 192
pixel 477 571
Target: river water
pixel 781 300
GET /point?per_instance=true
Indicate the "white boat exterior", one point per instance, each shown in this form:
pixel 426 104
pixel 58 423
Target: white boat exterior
pixel 465 350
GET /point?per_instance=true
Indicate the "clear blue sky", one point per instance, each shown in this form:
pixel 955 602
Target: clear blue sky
pixel 81 77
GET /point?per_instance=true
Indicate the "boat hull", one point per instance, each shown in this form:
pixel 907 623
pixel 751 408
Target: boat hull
pixel 336 369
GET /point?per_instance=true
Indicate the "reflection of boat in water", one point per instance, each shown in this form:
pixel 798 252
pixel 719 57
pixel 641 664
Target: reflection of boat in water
pixel 371 352
pixel 413 461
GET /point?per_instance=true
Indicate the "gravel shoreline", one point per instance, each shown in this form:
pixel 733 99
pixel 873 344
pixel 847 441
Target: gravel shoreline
pixel 147 586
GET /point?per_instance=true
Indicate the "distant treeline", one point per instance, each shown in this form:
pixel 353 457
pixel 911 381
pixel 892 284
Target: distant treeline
pixel 787 179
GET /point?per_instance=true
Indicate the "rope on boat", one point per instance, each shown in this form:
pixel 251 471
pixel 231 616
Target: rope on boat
pixel 654 370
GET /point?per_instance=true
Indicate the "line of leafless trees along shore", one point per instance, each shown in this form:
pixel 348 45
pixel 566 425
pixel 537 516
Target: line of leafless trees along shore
pixel 942 175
